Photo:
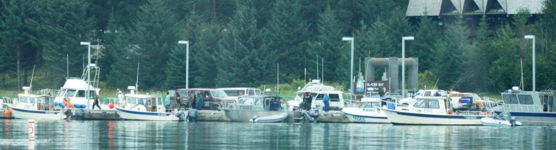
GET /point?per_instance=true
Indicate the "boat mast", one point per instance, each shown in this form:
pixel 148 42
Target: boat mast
pixel 32 75
pixel 521 63
pixel 137 80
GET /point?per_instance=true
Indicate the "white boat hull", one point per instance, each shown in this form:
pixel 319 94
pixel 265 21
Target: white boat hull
pixel 143 115
pixel 411 118
pixel 274 118
pixel 247 115
pixel 37 114
pixel 495 122
pixel 357 115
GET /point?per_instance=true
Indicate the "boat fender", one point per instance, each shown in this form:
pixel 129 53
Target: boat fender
pixel 449 112
pixel 111 106
pixel 7 112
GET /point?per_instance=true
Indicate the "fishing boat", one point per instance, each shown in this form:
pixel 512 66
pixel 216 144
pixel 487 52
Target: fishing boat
pixel 76 89
pixel 529 107
pixel 368 111
pixel 432 111
pixel 146 107
pixel 259 109
pixel 32 106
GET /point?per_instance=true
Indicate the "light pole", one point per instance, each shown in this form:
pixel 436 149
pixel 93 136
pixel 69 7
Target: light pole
pixel 403 62
pixel 532 37
pixel 186 62
pixel 88 71
pixel 351 66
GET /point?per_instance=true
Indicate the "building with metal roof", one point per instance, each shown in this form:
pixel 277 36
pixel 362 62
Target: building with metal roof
pixel 440 8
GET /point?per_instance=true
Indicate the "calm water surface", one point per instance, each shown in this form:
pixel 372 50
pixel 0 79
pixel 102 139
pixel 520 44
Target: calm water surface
pixel 230 135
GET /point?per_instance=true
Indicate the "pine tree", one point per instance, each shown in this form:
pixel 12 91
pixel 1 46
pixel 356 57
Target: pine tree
pixel 450 56
pixel 287 35
pixel 124 60
pixel 328 45
pixel 17 37
pixel 156 32
pixel 62 25
pixel 205 49
pixel 427 34
pixel 243 57
pixel 481 59
pixel 505 69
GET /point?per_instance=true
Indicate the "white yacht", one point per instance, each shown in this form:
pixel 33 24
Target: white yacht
pixel 31 106
pixel 368 111
pixel 76 88
pixel 146 107
pixel 433 111
pixel 318 90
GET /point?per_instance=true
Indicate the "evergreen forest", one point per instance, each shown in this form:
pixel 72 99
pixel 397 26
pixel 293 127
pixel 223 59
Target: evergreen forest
pixel 238 43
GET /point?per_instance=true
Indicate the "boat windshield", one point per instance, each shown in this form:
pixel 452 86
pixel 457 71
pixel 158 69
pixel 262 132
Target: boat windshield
pixel 135 100
pixel 218 93
pixel 27 100
pixel 369 105
pixel 70 93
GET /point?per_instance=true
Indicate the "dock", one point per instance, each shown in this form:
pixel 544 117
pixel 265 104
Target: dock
pixel 204 115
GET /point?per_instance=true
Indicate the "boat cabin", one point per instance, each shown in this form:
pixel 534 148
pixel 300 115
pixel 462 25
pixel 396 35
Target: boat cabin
pixel 32 101
pixel 144 102
pixel 528 101
pixel 267 103
pixel 430 105
pixel 76 90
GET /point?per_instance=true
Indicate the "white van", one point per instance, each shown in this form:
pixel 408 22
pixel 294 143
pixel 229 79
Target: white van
pixel 236 92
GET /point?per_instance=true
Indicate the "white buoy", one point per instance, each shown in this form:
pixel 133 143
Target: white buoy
pixel 32 130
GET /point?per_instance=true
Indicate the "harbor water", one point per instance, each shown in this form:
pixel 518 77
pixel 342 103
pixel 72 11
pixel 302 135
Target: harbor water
pixel 92 134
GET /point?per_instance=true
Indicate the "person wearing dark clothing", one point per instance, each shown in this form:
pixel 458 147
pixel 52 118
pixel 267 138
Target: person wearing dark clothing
pixel 199 101
pixel 95 103
pixel 307 100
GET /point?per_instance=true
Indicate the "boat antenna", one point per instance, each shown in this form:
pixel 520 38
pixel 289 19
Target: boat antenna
pixel 277 78
pixel 435 83
pixel 32 75
pixel 521 63
pixel 67 66
pixel 317 66
pixel 137 80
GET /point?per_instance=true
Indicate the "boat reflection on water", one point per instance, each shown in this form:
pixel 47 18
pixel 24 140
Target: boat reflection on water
pixel 237 135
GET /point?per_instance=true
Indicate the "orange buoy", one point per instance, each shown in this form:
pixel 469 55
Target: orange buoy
pixel 449 112
pixel 7 112
pixel 111 105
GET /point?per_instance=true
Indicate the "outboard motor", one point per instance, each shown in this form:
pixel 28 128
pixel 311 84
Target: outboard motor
pixel 512 121
pixel 310 115
pixel 192 115
pixel 80 113
pixel 181 115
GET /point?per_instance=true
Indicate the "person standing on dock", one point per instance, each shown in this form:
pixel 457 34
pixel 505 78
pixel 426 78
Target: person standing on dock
pixel 199 101
pixel 307 100
pixel 190 99
pixel 95 103
pixel 168 101
pixel 326 101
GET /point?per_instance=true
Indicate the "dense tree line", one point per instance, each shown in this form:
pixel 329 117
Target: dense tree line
pixel 239 42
